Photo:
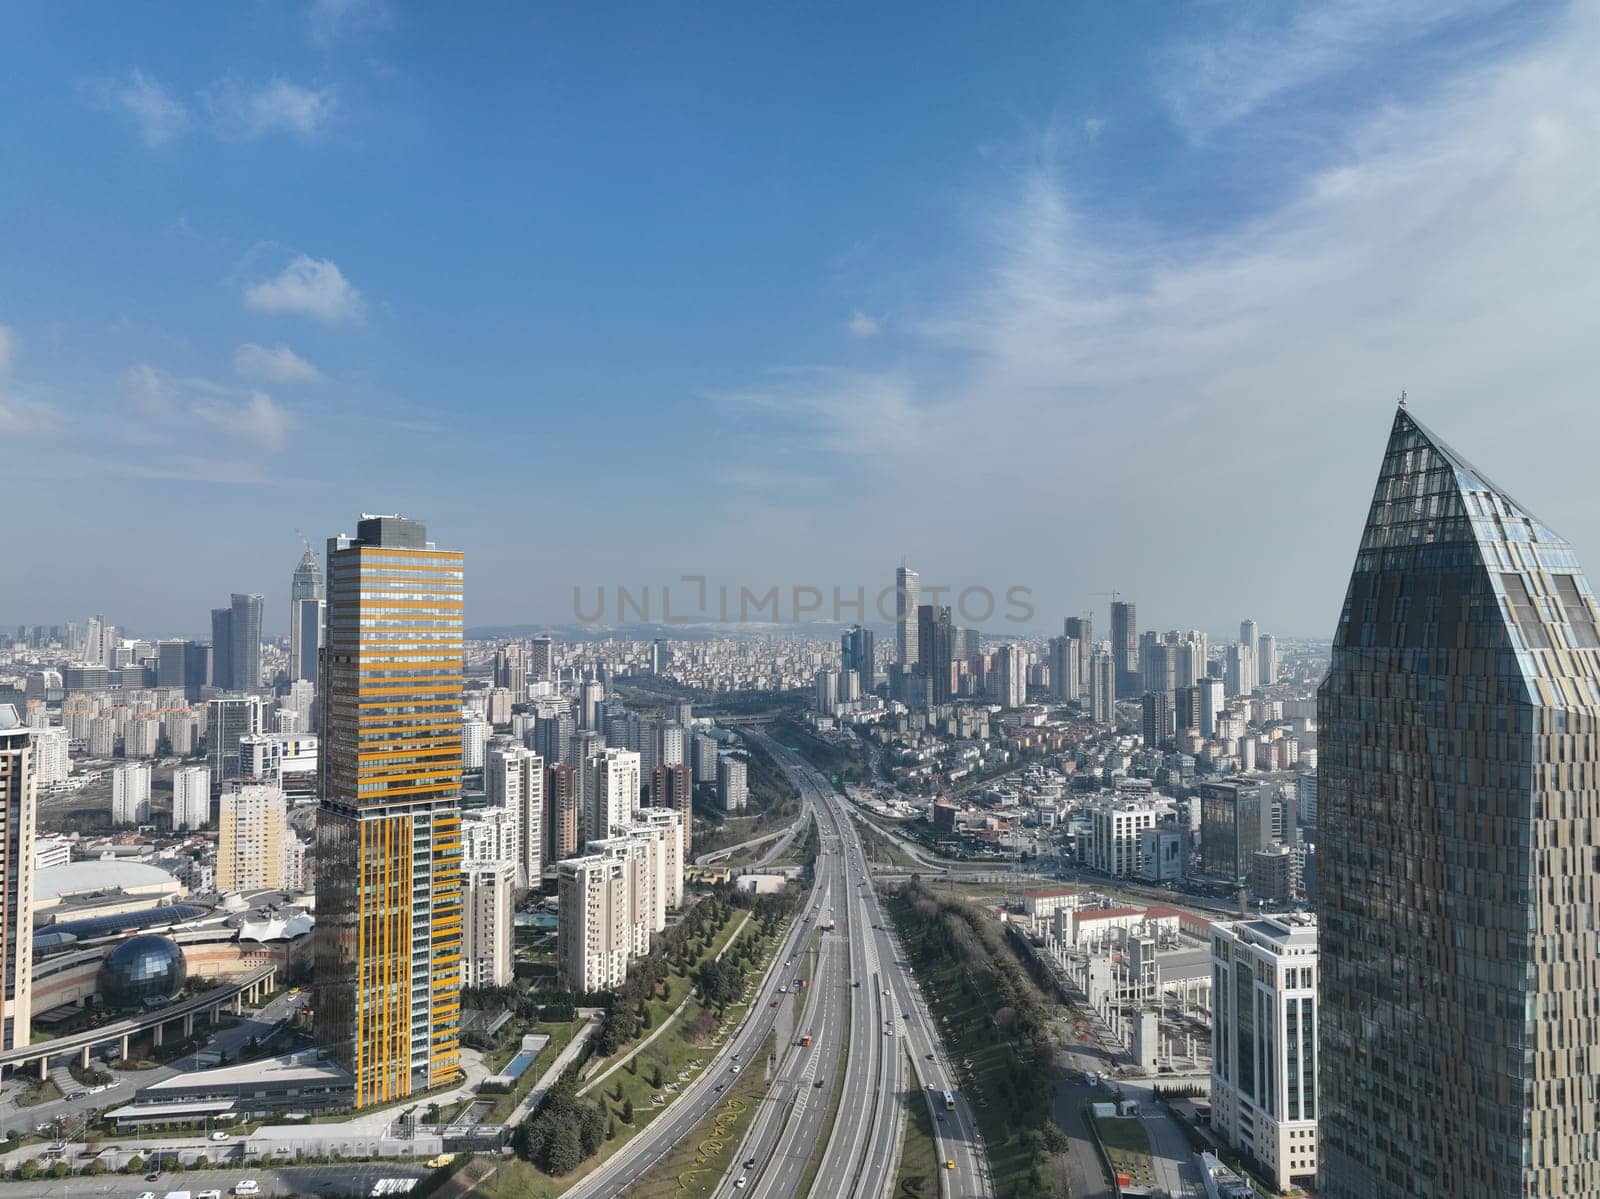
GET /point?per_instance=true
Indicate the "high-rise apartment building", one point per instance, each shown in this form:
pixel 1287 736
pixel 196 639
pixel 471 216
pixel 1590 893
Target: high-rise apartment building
pixel 936 648
pixel 1011 676
pixel 191 798
pixel 388 935
pixel 252 828
pixel 1266 660
pixel 1102 688
pixel 1081 630
pixel 672 787
pixel 613 790
pixel 1239 670
pixel 18 803
pixel 703 751
pixel 1066 672
pixel 733 783
pixel 1264 1043
pixel 307 596
pixel 563 811
pixel 907 598
pixel 541 664
pixel 487 911
pixel 1125 648
pixel 614 898
pixel 51 761
pixel 1456 874
pixel 513 780
pixel 130 793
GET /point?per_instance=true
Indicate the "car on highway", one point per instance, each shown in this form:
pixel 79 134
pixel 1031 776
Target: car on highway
pixel 147 1195
pixel 742 1183
pixel 949 1163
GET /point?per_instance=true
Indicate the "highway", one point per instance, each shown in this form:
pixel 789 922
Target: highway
pixel 697 1100
pixel 865 994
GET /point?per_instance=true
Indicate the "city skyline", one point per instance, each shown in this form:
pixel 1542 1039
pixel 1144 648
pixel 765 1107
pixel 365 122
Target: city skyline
pixel 808 324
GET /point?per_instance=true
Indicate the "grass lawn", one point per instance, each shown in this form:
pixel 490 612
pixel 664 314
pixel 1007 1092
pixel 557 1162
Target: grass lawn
pixel 659 1070
pixel 1128 1146
pixel 696 1164
pixel 919 1152
pixel 43 1090
pixel 560 1035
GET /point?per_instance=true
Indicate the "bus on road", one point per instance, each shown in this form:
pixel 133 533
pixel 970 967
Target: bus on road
pixel 949 1102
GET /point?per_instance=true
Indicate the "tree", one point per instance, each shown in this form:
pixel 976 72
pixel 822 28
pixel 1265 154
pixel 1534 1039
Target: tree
pixel 627 1111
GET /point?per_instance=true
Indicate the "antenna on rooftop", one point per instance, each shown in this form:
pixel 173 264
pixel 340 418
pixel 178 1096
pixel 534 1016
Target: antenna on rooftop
pixel 1402 397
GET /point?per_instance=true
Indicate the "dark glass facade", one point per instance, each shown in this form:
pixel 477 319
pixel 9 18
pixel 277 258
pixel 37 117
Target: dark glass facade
pixel 141 968
pixel 1459 848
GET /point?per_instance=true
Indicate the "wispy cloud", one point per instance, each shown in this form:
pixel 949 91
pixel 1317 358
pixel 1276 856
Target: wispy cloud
pixel 1268 51
pixel 158 115
pixel 864 325
pixel 1446 251
pixel 330 21
pixel 277 364
pixel 239 112
pixel 308 286
pixel 166 409
pixel 19 416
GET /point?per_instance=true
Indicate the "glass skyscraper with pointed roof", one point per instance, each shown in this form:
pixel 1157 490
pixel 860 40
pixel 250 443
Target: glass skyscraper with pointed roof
pixel 1458 848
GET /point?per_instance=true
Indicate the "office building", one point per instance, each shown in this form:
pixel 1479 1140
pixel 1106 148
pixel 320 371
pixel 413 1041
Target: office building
pixel 191 798
pixel 856 652
pixel 1125 648
pixel 1081 630
pixel 252 829
pixel 307 598
pixel 733 784
pixel 229 719
pixel 1457 804
pixel 1266 660
pixel 389 825
pixel 907 598
pixel 18 809
pixel 1239 671
pixel 612 791
pixel 487 913
pixel 1264 1044
pixel 1235 821
pixel 1163 853
pixel 183 665
pixel 1115 829
pixel 591 694
pixel 130 793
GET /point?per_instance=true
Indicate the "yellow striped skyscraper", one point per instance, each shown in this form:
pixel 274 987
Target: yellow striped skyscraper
pixel 388 938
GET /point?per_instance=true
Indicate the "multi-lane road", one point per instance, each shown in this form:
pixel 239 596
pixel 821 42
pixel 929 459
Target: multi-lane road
pixel 860 1001
pixel 867 997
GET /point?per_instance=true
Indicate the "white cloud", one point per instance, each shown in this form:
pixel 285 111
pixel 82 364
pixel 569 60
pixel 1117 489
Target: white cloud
pixel 257 419
pixel 277 364
pixel 159 115
pixel 1245 378
pixel 329 21
pixel 150 392
pixel 863 325
pixel 1093 127
pixel 279 106
pixel 311 287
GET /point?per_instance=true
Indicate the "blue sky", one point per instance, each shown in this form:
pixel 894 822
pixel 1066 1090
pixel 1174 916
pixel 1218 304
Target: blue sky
pixel 1073 297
